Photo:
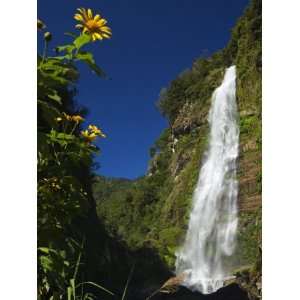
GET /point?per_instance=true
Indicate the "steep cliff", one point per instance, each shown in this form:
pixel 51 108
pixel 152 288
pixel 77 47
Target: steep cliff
pixel 153 211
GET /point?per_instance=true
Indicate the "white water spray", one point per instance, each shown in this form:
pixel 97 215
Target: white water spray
pixel 210 239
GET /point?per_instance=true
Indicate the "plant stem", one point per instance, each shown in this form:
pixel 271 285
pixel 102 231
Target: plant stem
pixel 44 51
pixel 127 283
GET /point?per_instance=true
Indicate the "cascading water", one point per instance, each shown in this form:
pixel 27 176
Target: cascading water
pixel 210 239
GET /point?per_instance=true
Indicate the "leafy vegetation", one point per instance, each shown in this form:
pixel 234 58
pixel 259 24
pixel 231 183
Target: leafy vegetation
pixel 64 168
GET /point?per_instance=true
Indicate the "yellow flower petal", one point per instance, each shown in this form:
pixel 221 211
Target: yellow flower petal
pixel 106 29
pixel 90 14
pixel 84 13
pixel 78 17
pixel 101 22
pixel 92 136
pixel 85 133
pixel 97 36
pixel 97 18
pixel 106 35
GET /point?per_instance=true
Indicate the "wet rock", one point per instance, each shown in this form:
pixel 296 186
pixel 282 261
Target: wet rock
pixel 230 292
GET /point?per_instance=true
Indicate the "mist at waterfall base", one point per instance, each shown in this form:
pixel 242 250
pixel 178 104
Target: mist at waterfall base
pixel 210 240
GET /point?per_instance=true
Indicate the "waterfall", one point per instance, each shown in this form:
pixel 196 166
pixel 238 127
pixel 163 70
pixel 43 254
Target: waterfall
pixel 210 239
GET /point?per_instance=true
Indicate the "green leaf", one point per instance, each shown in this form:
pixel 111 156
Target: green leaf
pixel 55 96
pixel 65 136
pixel 69 291
pixel 88 58
pixel 66 263
pixel 72 282
pixel 55 72
pixel 67 48
pixel 63 57
pixel 60 137
pixel 46 263
pixel 81 40
pixel 44 249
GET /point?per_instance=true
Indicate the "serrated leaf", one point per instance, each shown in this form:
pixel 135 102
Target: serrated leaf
pixel 62 57
pixel 55 96
pixel 65 136
pixel 88 58
pixel 44 249
pixel 46 263
pixel 67 48
pixel 81 40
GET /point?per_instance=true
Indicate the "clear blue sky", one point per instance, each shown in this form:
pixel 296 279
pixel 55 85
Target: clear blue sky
pixel 153 41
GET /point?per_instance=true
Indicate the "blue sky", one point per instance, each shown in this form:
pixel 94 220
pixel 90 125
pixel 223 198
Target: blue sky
pixel 153 41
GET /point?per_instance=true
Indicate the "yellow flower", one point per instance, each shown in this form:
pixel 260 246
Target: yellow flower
pixel 88 136
pixel 77 118
pixel 96 130
pixel 94 26
pixel 91 133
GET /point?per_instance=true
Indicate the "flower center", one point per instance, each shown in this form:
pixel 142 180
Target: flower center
pixel 91 25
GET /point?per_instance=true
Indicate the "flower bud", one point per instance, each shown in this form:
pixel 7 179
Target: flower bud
pixel 40 25
pixel 48 36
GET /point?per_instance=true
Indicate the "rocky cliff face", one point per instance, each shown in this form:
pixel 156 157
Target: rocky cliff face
pixel 153 211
